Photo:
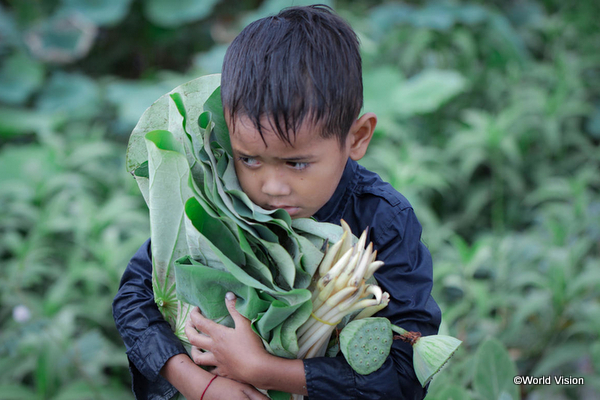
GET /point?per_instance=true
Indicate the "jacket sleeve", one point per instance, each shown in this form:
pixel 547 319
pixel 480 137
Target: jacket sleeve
pixel 407 277
pixel 148 338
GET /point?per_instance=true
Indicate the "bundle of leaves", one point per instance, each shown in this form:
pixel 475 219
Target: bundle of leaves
pixel 207 237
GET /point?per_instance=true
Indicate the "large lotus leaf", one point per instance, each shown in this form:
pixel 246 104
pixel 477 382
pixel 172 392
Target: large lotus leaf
pixel 193 134
pixel 206 287
pixel 215 229
pixel 229 243
pixel 289 340
pixel 277 313
pixel 214 106
pixel 240 273
pixel 306 260
pixel 326 231
pixel 282 261
pixel 160 113
pixel 276 345
pixel 168 191
pixel 254 265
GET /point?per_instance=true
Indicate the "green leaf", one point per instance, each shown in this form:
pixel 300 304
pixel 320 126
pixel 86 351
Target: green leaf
pixel 214 228
pixel 206 287
pixel 453 392
pixel 104 12
pixel 272 7
pixel 10 391
pixel 596 355
pixel 20 76
pixel 164 13
pixel 214 106
pixel 72 94
pixel 132 98
pixel 277 312
pixel 168 192
pixel 62 38
pixel 428 91
pixel 28 165
pixel 163 115
pixel 380 84
pixel 494 371
pixel 563 356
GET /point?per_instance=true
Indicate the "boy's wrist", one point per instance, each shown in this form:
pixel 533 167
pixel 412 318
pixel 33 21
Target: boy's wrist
pixel 188 378
pixel 276 373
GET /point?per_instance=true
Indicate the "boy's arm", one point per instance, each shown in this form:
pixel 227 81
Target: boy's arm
pixel 238 353
pixel 158 362
pixel 148 338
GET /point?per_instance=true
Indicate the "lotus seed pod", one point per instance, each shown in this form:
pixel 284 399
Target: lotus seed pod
pixel 430 353
pixel 366 353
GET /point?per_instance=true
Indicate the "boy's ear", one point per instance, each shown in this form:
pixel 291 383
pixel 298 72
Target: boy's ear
pixel 360 135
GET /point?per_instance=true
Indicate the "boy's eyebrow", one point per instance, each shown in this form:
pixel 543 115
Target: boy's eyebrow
pixel 241 154
pixel 288 159
pixel 297 158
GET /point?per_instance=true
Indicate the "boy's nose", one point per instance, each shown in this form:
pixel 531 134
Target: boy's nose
pixel 275 185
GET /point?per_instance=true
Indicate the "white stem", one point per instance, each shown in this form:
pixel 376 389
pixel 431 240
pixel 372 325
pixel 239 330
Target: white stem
pixel 324 330
pixel 317 348
pixel 335 270
pixel 330 254
pixel 343 277
pixel 374 266
pixel 369 311
pixel 361 268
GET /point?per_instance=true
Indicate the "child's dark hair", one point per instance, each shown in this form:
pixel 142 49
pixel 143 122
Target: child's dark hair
pixel 301 63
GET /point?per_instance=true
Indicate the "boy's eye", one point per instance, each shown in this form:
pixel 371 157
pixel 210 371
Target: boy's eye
pixel 249 161
pixel 298 165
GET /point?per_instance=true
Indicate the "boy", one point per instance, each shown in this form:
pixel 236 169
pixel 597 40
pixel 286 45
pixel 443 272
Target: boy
pixel 292 92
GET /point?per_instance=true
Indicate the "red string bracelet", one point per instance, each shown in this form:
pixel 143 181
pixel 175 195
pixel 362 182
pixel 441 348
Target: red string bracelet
pixel 206 388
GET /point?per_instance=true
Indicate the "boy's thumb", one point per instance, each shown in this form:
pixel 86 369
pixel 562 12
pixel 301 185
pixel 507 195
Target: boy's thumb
pixel 230 300
pixel 229 296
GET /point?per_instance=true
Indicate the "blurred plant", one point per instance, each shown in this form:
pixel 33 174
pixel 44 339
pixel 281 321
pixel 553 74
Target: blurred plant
pixel 70 220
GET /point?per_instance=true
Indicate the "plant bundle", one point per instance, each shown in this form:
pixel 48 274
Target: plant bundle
pixel 340 289
pixel 344 287
pixel 207 236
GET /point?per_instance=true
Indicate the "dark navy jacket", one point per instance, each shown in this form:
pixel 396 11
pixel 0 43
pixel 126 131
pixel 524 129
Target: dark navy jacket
pixel 363 200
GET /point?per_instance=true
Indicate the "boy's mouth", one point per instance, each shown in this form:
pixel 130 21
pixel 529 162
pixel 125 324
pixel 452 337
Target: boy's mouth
pixel 292 210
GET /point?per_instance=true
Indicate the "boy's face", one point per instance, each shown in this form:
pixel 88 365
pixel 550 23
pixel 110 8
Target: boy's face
pixel 299 178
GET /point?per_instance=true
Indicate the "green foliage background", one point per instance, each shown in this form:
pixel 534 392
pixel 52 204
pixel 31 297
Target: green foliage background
pixel 489 123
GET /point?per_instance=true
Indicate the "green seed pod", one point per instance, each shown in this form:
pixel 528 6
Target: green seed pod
pixel 430 353
pixel 353 334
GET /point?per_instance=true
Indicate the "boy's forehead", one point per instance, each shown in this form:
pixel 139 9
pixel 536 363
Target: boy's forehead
pixel 244 125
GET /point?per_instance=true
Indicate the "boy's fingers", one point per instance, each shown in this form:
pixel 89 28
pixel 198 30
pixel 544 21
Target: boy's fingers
pixel 196 338
pixel 205 358
pixel 202 324
pixel 254 394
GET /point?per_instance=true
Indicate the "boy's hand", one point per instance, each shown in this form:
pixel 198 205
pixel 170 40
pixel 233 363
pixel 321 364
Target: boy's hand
pixel 236 353
pixel 225 389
